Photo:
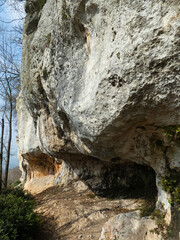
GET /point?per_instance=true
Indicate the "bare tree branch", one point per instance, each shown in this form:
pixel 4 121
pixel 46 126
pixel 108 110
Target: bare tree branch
pixel 11 21
pixel 9 85
pixel 3 3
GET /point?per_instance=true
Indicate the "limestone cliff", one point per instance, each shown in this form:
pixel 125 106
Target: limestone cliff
pixel 100 91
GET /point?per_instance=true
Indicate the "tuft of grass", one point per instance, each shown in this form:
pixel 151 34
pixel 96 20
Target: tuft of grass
pixel 48 38
pixel 118 55
pixel 90 195
pixel 64 11
pixel 147 209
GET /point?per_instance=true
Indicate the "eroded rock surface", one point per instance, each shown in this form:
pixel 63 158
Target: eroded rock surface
pixel 101 71
pixel 39 170
pixel 101 83
pixel 127 225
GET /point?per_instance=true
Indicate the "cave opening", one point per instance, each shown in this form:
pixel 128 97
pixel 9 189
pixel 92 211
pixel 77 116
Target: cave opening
pixel 115 181
pixel 129 181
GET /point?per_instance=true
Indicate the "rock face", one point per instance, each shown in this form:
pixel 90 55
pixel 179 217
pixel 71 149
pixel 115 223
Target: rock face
pixel 101 86
pixel 126 226
pixel 33 163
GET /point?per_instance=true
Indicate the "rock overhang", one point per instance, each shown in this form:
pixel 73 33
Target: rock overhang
pixel 101 79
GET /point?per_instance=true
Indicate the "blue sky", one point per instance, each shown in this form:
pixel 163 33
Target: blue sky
pixel 7 16
pixel 10 13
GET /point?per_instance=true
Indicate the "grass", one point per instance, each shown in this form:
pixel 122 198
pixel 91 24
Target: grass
pixel 91 195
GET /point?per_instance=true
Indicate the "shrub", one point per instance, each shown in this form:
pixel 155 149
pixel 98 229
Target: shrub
pixel 18 221
pixel 172 132
pixel 15 184
pixel 147 209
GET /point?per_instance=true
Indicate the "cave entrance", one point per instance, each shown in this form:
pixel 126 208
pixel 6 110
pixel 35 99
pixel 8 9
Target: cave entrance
pixel 128 181
pixel 113 180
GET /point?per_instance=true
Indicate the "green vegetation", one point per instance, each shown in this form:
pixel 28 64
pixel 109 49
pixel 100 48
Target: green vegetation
pixel 91 195
pixel 64 14
pixel 118 55
pixel 147 209
pixel 40 4
pixel 162 228
pixel 16 183
pixel 18 221
pixel 48 38
pixel 172 132
pixel 171 185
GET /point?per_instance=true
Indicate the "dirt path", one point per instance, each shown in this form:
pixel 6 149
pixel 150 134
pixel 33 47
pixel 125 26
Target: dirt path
pixel 74 212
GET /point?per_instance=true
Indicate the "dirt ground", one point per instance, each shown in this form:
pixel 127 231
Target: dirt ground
pixel 74 212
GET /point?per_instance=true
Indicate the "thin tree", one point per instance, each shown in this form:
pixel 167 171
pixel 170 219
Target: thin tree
pixel 10 55
pixel 1 153
pixel 9 86
pixel 10 133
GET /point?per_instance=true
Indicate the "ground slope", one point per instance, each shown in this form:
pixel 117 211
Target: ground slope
pixel 74 212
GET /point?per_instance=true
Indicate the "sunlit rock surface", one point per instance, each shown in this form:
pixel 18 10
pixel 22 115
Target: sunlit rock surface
pixel 100 80
pixel 128 226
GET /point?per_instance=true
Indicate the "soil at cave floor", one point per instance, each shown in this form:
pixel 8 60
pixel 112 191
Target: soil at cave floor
pixel 74 212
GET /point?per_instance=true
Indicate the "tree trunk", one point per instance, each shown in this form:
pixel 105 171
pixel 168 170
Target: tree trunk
pixel 9 145
pixel 1 153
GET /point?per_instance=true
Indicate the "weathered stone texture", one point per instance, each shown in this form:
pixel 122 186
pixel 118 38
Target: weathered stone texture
pixel 101 70
pixel 129 226
pixel 101 79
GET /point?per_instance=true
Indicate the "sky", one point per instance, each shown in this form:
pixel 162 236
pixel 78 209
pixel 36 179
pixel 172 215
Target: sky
pixel 8 20
pixel 9 13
